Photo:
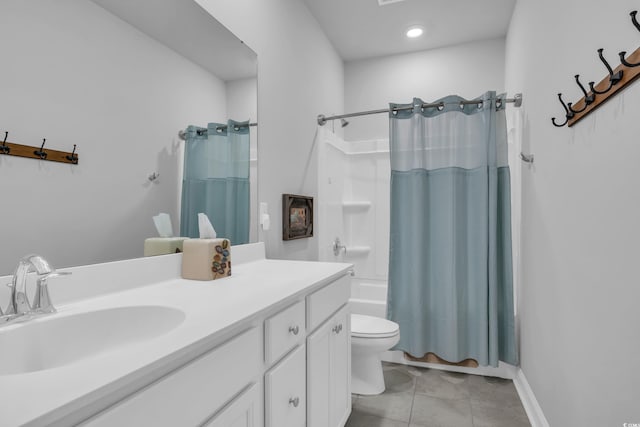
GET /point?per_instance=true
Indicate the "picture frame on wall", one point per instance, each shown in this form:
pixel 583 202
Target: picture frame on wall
pixel 297 217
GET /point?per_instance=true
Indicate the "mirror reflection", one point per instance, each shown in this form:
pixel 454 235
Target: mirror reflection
pixel 119 80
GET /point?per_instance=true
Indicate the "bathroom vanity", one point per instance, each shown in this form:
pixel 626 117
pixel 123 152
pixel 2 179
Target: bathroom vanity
pixel 133 344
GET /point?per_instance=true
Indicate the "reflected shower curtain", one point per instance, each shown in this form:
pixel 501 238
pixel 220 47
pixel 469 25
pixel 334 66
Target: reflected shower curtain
pixel 450 272
pixel 216 180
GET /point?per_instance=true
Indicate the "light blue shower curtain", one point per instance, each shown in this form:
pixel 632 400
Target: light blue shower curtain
pixel 450 272
pixel 216 180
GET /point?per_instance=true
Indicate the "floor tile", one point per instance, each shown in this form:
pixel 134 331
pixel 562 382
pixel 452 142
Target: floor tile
pixel 359 419
pixel 494 390
pixel 489 414
pixel 435 412
pixel 443 384
pixel 394 406
pixel 398 379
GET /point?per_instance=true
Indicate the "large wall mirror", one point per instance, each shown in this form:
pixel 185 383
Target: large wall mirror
pixel 118 79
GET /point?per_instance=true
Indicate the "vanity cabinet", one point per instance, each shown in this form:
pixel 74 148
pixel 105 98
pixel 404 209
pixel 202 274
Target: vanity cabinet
pixel 290 367
pixel 329 372
pixel 191 394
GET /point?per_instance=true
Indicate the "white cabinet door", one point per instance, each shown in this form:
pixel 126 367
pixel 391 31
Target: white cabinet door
pixel 285 392
pixel 328 372
pixel 318 363
pixel 340 392
pixel 244 411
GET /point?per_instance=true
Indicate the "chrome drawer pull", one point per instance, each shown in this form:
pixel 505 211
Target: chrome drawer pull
pixel 294 401
pixel 294 330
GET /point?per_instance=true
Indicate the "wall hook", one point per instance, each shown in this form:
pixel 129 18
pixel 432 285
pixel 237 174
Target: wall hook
pixel 73 158
pixel 568 113
pixel 3 148
pixel 41 153
pixel 623 53
pixel 588 98
pixel 634 20
pixel 613 78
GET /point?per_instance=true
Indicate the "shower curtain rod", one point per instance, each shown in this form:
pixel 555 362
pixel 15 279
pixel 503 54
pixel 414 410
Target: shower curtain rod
pixel 322 120
pixel 182 134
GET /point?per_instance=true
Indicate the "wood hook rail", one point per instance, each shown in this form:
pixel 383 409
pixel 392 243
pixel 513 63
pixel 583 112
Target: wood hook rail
pixel 38 153
pixel 615 81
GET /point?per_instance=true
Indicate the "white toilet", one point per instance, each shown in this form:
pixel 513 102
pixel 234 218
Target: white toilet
pixel 370 337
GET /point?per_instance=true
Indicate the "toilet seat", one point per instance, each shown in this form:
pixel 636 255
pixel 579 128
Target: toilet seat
pixel 372 327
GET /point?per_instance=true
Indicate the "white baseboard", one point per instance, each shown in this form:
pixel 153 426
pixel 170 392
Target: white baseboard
pixel 529 401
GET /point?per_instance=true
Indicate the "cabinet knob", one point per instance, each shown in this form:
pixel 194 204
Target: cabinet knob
pixel 294 401
pixel 294 330
pixel 336 329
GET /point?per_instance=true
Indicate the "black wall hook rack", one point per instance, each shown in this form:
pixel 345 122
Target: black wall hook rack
pixel 615 81
pixel 38 153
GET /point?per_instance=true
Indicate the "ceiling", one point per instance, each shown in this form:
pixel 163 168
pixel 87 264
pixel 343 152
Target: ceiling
pixel 190 31
pixel 362 29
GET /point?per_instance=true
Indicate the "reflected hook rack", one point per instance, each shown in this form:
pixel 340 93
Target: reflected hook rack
pixel 616 80
pixel 37 152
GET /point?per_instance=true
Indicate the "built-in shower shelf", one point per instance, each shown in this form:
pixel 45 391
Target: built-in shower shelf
pixel 356 205
pixel 353 251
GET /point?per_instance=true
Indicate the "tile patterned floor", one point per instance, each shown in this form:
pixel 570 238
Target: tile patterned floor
pixel 420 397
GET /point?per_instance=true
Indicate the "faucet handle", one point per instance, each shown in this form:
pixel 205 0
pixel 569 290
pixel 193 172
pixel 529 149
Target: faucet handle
pixel 42 301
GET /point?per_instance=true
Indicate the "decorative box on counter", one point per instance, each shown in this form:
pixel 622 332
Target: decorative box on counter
pixel 206 259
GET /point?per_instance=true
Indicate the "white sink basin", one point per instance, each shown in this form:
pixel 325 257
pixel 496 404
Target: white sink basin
pixel 55 340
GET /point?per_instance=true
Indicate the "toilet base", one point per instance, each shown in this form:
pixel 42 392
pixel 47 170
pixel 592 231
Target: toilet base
pixel 366 374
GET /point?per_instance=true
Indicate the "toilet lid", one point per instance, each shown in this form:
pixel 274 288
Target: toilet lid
pixel 373 327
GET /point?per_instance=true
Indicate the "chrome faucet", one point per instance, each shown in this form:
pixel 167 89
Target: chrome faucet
pixel 19 304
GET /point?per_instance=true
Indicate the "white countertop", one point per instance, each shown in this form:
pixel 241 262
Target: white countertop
pixel 212 309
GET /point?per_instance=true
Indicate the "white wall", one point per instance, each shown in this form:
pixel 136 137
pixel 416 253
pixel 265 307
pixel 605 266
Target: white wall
pixel 467 70
pixel 75 74
pixel 300 75
pixel 580 343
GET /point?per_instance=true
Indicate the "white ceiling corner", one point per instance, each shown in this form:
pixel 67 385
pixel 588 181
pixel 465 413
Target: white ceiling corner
pixel 360 29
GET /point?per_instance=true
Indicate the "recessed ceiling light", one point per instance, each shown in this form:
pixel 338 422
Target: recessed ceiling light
pixel 414 32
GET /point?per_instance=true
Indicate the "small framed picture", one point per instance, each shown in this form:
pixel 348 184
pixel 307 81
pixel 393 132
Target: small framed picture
pixel 297 217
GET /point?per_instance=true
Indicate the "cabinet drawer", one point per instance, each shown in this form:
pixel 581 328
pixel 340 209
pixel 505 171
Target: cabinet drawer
pixel 285 392
pixel 323 303
pixel 284 331
pixel 190 395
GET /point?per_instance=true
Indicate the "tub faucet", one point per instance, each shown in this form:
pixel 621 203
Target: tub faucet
pixel 19 303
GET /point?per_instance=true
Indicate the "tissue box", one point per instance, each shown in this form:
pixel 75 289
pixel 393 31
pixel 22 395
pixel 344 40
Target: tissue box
pixel 163 245
pixel 206 259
